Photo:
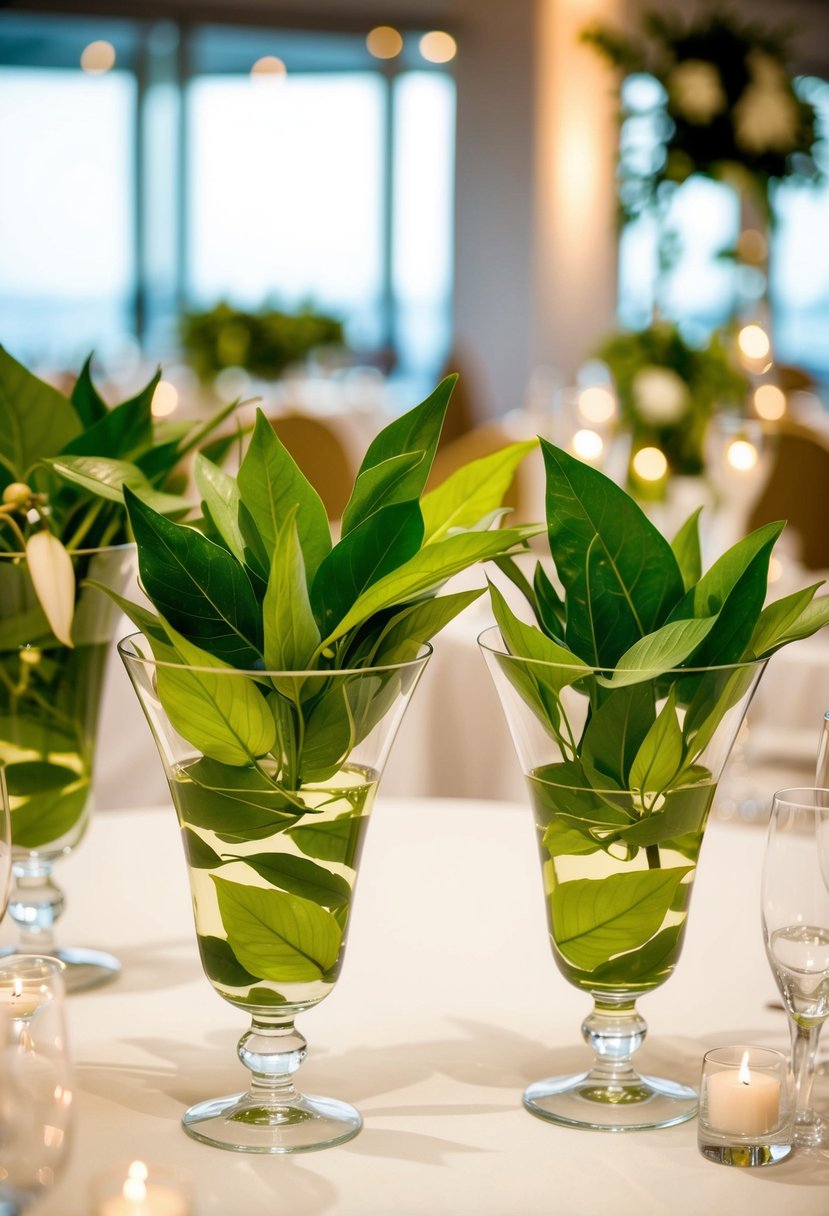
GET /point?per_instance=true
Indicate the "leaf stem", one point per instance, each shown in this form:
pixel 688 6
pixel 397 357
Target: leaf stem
pixel 86 523
pixel 652 854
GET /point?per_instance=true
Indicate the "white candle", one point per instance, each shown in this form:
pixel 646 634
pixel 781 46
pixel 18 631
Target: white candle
pixel 743 1103
pixel 141 1196
pixel 18 1001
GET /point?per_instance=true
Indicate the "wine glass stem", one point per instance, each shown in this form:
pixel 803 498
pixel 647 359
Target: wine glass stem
pixel 804 1052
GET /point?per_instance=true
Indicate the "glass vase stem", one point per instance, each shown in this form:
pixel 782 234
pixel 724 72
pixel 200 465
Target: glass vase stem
pixel 808 1128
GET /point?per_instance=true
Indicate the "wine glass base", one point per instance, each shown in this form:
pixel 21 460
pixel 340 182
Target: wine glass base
pixel 579 1101
pixel 245 1123
pixel 85 968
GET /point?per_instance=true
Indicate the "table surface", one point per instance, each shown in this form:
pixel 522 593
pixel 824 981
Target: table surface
pixel 448 1006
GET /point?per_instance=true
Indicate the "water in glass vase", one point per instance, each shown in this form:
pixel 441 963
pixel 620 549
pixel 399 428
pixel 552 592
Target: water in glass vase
pixel 618 873
pixel 272 873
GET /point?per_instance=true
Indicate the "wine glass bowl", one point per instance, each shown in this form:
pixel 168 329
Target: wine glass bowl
pixel 795 909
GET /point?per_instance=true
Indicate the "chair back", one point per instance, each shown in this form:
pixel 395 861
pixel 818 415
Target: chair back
pixel 798 491
pixel 321 456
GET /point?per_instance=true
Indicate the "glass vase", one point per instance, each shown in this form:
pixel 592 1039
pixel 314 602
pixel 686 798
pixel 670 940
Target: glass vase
pixel 50 698
pixel 621 780
pixel 273 843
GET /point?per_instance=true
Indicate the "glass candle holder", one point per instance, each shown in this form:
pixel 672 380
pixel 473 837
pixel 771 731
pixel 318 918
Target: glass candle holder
pixel 141 1189
pixel 745 1107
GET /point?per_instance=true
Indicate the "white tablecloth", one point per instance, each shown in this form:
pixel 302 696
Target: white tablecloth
pixel 449 1004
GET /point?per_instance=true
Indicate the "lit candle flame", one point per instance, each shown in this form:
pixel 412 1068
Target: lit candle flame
pixel 744 1075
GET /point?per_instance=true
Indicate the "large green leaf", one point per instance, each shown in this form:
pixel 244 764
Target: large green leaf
pixel 811 618
pixel 378 545
pixel 648 965
pixel 271 483
pixel 329 734
pixel 198 853
pixel 472 491
pixel 549 606
pixel 122 432
pixel 403 636
pixel 660 754
pixel 224 715
pixel 220 494
pixel 660 651
pixel 795 616
pixel 615 733
pixel 687 551
pixel 683 814
pixel 35 419
pixel 197 586
pixel 418 430
pixel 619 573
pixel 335 840
pixel 595 919
pixel 89 405
pixel 733 590
pixel 277 936
pixel 378 486
pixel 301 877
pixel 43 817
pixel 105 477
pixel 426 571
pixel 291 633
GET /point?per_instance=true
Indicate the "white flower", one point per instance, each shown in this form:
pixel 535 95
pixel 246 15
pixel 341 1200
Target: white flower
pixel 695 88
pixel 766 116
pixel 660 395
pixel 53 577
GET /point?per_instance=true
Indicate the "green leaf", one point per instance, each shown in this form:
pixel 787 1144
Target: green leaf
pixel 89 405
pixel 378 486
pixel 149 623
pixel 107 478
pixel 334 840
pixel 122 432
pixel 271 483
pixel 619 573
pixel 225 716
pixel 277 936
pixel 221 964
pixel 615 733
pixel 418 430
pixel 683 814
pixel 660 755
pixel 238 815
pixel 425 572
pixel 649 965
pixel 378 545
pixel 549 607
pixel 659 652
pixel 197 586
pixel 687 552
pixel 220 495
pixel 788 619
pixel 403 636
pixel 595 919
pixel 329 735
pixel 199 854
pixel 301 877
pixel 291 633
pixel 733 590
pixel 35 419
pixel 472 491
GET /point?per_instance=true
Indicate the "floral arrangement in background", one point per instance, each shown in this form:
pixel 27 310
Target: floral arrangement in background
pixel 263 343
pixel 668 391
pixel 729 109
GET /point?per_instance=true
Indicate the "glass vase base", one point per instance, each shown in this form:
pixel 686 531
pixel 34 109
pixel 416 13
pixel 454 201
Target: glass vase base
pixel 745 1155
pixel 579 1101
pixel 245 1123
pixel 85 967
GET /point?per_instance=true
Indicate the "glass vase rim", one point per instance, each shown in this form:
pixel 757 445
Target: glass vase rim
pixel 425 653
pixel 588 670
pixel 121 547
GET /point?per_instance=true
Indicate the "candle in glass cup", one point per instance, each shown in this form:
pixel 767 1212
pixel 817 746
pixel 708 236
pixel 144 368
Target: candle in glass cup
pixel 742 1102
pixel 146 1191
pixel 18 999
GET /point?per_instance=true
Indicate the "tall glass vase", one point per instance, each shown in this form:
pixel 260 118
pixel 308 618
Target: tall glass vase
pixel 50 698
pixel 272 835
pixel 621 778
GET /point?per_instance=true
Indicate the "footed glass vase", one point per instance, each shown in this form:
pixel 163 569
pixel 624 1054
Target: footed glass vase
pixel 50 697
pixel 622 770
pixel 273 776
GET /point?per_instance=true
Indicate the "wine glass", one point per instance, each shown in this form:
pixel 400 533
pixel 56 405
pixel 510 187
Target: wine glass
pixel 35 1087
pixel 795 905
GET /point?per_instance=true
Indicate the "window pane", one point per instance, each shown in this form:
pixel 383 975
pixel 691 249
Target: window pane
pixel 285 194
pixel 424 140
pixel 66 209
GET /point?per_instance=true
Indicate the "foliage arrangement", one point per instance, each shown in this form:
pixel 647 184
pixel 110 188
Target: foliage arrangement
pixel 264 343
pixel 729 108
pixel 272 648
pixel 63 464
pixel 631 673
pixel 668 392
